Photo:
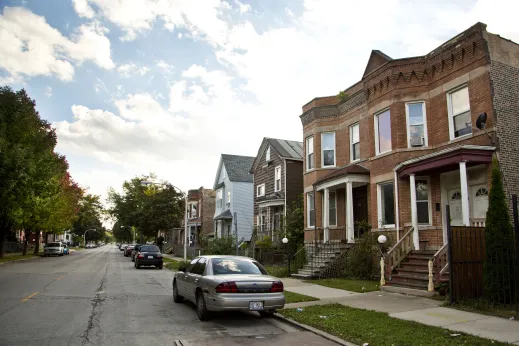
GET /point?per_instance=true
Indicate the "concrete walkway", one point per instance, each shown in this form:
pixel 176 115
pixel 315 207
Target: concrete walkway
pixel 418 309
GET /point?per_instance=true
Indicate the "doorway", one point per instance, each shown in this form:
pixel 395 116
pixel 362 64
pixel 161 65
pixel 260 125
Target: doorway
pixel 360 207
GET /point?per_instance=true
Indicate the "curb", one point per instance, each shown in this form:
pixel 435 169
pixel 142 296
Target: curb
pixel 319 332
pixel 19 260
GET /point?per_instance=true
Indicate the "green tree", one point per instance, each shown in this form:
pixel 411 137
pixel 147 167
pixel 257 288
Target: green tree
pixel 89 217
pixel 498 283
pixel 294 223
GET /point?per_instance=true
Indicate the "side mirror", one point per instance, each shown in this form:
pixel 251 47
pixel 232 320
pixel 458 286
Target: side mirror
pixel 182 268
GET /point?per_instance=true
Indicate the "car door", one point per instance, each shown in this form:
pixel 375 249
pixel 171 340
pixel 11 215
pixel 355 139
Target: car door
pixel 182 277
pixel 193 277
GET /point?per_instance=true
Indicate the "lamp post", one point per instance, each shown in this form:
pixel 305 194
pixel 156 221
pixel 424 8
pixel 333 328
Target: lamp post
pixel 382 239
pixel 285 241
pixel 84 235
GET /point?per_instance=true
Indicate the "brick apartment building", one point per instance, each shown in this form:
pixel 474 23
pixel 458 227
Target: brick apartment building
pixel 403 142
pixel 200 210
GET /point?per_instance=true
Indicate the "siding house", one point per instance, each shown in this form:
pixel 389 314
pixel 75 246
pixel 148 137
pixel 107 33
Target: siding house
pixel 234 196
pixel 278 181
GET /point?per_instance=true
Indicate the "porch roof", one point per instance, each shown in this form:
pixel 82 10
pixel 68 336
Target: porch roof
pixel 445 159
pixel 226 215
pixel 343 171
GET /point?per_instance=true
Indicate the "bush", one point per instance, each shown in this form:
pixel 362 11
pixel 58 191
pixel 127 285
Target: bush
pixel 221 246
pixel 360 258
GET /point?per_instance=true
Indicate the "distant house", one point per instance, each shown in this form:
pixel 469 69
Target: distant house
pixel 278 181
pixel 234 196
pixel 200 212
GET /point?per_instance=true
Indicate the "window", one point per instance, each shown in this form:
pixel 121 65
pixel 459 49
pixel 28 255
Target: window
pixel 332 209
pixel 223 173
pixel 416 124
pixel 230 266
pixel 354 142
pixel 277 179
pixel 191 264
pixel 310 153
pixel 199 267
pixel 267 155
pixel 261 222
pixel 422 201
pixel 481 192
pixel 219 198
pixel 382 132
pixel 459 111
pixel 386 205
pixel 310 217
pixel 192 210
pixel 260 190
pixel 228 198
pixel 328 149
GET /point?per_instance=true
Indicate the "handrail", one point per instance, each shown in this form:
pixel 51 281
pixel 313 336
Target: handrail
pixel 398 252
pixel 440 262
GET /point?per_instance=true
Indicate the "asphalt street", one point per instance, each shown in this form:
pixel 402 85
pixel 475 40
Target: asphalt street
pixel 97 297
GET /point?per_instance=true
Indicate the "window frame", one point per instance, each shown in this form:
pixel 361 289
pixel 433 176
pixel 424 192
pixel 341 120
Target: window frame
pixel 276 170
pixel 408 124
pixel 377 140
pixel 428 180
pixel 308 161
pixel 309 196
pixel 223 172
pixel 379 204
pixel 352 159
pixel 257 190
pixel 452 130
pixel 219 198
pixel 267 154
pixel 329 208
pixel 334 150
pixel 228 201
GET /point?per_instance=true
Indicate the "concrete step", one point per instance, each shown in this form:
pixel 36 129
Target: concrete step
pixel 309 267
pixel 411 276
pixel 419 284
pixel 409 291
pixel 303 276
pixel 308 272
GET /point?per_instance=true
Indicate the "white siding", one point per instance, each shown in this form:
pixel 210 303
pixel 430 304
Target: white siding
pixel 242 202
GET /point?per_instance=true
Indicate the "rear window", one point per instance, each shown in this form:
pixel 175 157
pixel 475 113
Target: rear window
pixel 226 266
pixel 53 244
pixel 149 249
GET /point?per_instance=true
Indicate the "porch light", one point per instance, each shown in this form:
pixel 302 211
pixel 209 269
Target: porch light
pixel 284 240
pixel 382 239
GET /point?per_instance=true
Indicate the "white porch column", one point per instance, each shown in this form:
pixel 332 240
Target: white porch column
pixel 414 212
pixel 349 213
pixel 325 212
pixel 464 194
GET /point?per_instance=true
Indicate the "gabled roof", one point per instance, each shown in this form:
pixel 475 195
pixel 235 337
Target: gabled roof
pixel 290 150
pixel 376 59
pixel 237 168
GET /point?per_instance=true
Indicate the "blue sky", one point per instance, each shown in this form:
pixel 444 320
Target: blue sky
pixel 139 86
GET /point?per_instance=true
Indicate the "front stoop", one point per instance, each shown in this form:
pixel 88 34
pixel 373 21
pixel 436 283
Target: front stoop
pixel 408 291
pixel 326 255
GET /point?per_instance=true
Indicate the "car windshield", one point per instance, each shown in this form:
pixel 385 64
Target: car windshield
pixel 226 266
pixel 53 245
pixel 149 249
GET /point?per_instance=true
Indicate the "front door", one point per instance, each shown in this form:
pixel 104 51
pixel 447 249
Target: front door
pixel 360 206
pixel 454 200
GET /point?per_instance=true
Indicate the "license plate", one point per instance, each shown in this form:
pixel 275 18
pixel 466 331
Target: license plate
pixel 256 306
pixel 150 257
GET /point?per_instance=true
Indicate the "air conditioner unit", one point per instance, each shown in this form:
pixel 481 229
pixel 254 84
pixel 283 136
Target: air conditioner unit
pixel 417 141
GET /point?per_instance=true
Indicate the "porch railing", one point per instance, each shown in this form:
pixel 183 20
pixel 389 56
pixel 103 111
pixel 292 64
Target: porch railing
pixel 440 262
pixel 477 222
pixel 398 252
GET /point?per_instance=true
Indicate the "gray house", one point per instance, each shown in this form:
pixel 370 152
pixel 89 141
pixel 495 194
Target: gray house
pixel 234 194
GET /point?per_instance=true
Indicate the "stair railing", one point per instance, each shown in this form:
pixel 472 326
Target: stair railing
pixel 398 252
pixel 440 262
pixel 298 260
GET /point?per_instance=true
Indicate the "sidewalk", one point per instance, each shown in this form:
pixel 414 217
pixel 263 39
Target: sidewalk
pixel 421 310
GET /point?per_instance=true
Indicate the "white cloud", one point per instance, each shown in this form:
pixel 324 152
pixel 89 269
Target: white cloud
pixel 31 47
pixel 179 35
pixel 83 9
pixel 164 65
pixel 127 70
pixel 48 91
pixel 243 8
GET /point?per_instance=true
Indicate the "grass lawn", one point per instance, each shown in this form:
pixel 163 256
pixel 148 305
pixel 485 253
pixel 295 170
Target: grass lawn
pixel 482 307
pixel 17 256
pixel 377 328
pixel 291 297
pixel 348 284
pixel 279 272
pixel 172 264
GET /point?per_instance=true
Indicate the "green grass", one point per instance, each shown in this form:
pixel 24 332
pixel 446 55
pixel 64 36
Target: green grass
pixel 377 328
pixel 348 284
pixel 279 272
pixel 17 256
pixel 483 307
pixel 172 264
pixel 291 297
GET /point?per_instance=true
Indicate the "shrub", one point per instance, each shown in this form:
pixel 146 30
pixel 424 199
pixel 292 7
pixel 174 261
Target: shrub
pixel 360 260
pixel 221 246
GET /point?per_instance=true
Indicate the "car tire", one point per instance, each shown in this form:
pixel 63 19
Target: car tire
pixel 201 308
pixel 137 265
pixel 177 298
pixel 160 267
pixel 266 313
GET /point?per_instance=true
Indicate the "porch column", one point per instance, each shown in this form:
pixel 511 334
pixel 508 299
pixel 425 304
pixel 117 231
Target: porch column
pixel 464 194
pixel 325 212
pixel 414 212
pixel 350 230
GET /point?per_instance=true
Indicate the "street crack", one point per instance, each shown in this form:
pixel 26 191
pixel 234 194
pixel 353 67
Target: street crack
pixel 94 318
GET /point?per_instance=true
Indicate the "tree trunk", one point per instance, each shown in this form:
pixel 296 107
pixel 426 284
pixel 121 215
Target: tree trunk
pixel 25 241
pixel 37 245
pixel 5 227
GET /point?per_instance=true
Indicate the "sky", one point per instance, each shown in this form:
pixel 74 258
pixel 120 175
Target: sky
pixel 166 86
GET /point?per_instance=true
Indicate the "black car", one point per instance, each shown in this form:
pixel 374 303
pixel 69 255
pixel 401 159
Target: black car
pixel 135 250
pixel 148 255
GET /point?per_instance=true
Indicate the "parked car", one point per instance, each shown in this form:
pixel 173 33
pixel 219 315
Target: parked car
pixel 228 283
pixel 53 249
pixel 128 250
pixel 135 250
pixel 122 246
pixel 66 250
pixel 148 255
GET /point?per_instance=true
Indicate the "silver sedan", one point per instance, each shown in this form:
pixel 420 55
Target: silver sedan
pixel 228 283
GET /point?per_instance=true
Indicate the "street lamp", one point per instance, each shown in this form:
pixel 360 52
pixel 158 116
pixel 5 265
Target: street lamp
pixel 146 183
pixel 382 239
pixel 84 235
pixel 285 241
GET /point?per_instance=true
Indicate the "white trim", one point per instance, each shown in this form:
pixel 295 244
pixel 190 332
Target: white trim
pixel 426 139
pixel 309 196
pixel 354 178
pixel 351 141
pixel 219 192
pixel 223 172
pixel 428 180
pixel 414 213
pixel 257 190
pixel 451 115
pixel 275 178
pixel 379 204
pixel 267 154
pixel 465 206
pixel 334 150
pixel 228 199
pixel 375 122
pixel 265 204
pixel 397 214
pixel 307 153
pixel 350 230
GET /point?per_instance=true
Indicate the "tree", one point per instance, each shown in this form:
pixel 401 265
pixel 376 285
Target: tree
pixel 499 241
pixel 294 223
pixel 89 217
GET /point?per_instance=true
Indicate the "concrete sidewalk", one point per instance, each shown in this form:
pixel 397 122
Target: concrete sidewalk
pixel 418 309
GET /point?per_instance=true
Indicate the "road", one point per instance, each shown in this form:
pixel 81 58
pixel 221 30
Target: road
pixel 97 297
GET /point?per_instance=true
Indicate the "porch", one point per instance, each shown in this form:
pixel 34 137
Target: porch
pixel 269 219
pixel 223 224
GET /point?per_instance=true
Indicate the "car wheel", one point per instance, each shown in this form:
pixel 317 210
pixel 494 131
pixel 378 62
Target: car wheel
pixel 160 267
pixel 177 298
pixel 266 313
pixel 137 265
pixel 201 308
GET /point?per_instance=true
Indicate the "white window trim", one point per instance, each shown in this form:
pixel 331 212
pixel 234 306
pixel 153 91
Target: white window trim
pixel 219 193
pixel 449 111
pixel 375 122
pixel 408 124
pixel 334 150
pixel 280 186
pixel 379 204
pixel 308 196
pixel 267 154
pixel 258 188
pixel 228 200
pixel 351 141
pixel 223 173
pixel 428 179
pixel 307 153
pixel 329 224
